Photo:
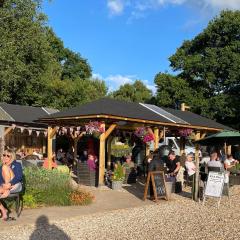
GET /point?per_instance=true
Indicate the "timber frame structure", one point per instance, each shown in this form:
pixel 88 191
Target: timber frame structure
pixel 115 114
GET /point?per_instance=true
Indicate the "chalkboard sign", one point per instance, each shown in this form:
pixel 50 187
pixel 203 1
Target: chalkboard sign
pixel 215 184
pixel 158 183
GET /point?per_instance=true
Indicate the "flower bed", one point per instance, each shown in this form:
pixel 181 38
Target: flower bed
pixel 51 188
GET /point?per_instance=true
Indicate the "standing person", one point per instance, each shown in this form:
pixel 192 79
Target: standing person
pixel 173 164
pixel 175 171
pixel 91 162
pixel 214 161
pixel 11 176
pixel 190 166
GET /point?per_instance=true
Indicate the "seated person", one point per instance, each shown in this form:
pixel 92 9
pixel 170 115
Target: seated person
pixel 214 161
pixel 11 176
pixel 229 162
pixel 128 163
pixel 46 162
pixel 190 166
pixel 91 162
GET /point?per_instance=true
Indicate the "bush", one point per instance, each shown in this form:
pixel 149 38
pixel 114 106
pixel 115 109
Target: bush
pixel 51 188
pixel 80 197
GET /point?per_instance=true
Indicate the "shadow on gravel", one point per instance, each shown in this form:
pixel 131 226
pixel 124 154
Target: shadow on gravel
pixel 136 189
pixel 46 231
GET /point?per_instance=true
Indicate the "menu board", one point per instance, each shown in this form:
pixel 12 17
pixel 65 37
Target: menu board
pixel 215 184
pixel 158 184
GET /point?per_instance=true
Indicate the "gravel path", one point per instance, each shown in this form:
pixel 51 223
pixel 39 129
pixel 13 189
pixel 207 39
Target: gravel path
pixel 180 218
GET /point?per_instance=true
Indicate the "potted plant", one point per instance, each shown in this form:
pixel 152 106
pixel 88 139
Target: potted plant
pixel 118 177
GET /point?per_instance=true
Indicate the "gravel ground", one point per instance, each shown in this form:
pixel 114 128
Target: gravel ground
pixel 180 218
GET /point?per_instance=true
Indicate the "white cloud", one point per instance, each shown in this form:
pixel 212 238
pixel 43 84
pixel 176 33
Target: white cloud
pixel 115 7
pixel 115 81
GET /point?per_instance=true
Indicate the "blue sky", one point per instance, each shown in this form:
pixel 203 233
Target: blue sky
pixel 125 40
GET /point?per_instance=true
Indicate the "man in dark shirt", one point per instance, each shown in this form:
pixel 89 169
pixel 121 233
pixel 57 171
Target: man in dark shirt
pixel 172 164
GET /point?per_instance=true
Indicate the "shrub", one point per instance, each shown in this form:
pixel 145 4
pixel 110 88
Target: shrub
pixel 80 197
pixel 47 187
pixel 51 188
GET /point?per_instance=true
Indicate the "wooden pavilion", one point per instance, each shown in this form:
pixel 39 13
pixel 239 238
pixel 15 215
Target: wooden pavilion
pixel 115 114
pixel 18 129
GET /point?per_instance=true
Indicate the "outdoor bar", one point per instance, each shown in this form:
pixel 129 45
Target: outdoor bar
pixel 119 115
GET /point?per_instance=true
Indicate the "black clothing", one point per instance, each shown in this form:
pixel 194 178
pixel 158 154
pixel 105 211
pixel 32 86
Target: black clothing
pixel 172 164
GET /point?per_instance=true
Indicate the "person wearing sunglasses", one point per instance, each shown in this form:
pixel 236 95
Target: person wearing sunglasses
pixel 11 176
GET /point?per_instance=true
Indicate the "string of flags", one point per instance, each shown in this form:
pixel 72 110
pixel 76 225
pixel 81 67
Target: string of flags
pixel 29 130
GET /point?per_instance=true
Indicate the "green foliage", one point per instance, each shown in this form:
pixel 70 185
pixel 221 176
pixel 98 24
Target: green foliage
pixel 136 92
pixel 29 201
pixel 118 173
pixel 208 68
pixel 46 187
pixel 35 67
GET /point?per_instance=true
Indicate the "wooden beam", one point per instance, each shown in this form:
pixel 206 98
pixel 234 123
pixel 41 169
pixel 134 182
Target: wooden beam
pixel 156 138
pixel 109 131
pixel 53 132
pixel 111 117
pixel 7 130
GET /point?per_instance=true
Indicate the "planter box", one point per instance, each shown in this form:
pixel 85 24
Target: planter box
pixel 116 185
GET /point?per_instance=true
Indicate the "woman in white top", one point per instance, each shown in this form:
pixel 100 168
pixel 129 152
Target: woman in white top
pixel 190 166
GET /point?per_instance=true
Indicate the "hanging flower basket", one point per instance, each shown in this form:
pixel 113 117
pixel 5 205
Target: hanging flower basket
pixel 94 128
pixel 146 134
pixel 185 132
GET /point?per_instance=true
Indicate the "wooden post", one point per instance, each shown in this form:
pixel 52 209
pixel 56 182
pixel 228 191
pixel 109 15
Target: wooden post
pixel 156 138
pixel 102 141
pixel 109 152
pixel 197 137
pixel 51 133
pixel 182 146
pixel 7 130
pixel 229 149
pixel 49 148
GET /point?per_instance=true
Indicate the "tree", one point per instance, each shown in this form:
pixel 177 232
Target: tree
pixel 65 94
pixel 33 60
pixel 136 92
pixel 209 64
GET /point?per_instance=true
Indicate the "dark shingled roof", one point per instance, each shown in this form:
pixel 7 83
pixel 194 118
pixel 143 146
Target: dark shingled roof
pixel 197 120
pixel 112 107
pixel 108 106
pixel 22 114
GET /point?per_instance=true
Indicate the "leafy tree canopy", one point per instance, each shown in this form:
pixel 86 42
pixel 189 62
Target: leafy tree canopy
pixel 33 59
pixel 208 71
pixel 136 92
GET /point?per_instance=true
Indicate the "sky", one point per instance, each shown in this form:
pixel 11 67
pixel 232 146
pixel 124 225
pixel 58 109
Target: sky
pixel 125 40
